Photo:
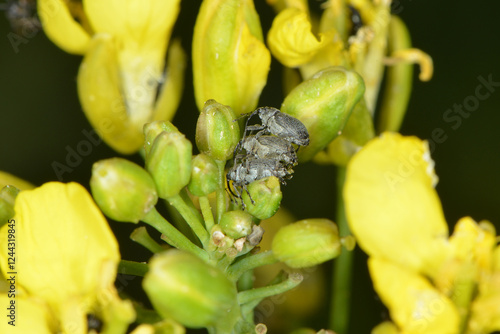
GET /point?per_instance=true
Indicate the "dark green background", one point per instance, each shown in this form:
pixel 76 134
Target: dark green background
pixel 40 118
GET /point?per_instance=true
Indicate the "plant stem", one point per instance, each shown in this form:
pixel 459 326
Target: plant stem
pixel 221 198
pixel 142 237
pixel 172 235
pixel 253 261
pixel 254 295
pixel 341 283
pixel 192 217
pixel 206 211
pixel 132 268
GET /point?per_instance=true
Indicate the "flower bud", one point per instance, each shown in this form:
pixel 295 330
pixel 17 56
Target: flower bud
pixel 230 60
pixel 291 40
pixel 8 196
pixel 184 288
pixel 204 175
pixel 266 194
pixel 307 243
pixel 236 224
pixel 357 132
pixel 216 132
pixel 123 190
pixel 323 104
pixel 169 162
pixel 153 129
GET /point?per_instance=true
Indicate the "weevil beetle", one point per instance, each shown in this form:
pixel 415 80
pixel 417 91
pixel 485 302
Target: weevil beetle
pixel 270 147
pixel 253 169
pixel 279 124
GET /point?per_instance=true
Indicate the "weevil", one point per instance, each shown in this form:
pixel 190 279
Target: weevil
pixel 268 147
pixel 279 124
pixel 251 169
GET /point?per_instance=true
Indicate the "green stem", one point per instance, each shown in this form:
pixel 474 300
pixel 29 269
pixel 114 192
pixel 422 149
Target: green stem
pixel 258 294
pixel 132 268
pixel 206 211
pixel 253 261
pixel 142 237
pixel 192 217
pixel 221 189
pixel 172 235
pixel 341 284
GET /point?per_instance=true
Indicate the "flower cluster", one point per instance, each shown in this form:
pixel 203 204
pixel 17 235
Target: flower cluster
pixel 200 274
pixel 431 282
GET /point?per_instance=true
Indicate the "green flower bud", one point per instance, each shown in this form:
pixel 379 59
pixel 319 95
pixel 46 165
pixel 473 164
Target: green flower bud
pixel 169 162
pixel 204 175
pixel 357 132
pixel 184 288
pixel 216 133
pixel 266 194
pixel 236 224
pixel 123 190
pixel 8 196
pixel 324 103
pixel 307 243
pixel 153 129
pixel 230 60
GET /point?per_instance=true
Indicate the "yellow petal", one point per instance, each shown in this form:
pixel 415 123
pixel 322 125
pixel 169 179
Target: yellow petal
pixel 391 204
pixel 141 30
pixel 30 316
pixel 171 91
pixel 137 24
pixel 386 327
pixel 414 304
pixel 291 40
pixel 472 243
pixel 63 245
pixel 61 27
pixel 99 90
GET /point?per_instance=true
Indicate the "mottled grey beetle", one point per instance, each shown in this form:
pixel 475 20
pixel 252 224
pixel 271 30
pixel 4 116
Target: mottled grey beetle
pixel 253 169
pixel 279 124
pixel 268 147
pixel 266 150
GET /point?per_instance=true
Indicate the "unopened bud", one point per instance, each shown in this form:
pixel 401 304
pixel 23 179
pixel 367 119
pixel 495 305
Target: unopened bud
pixel 266 195
pixel 236 224
pixel 169 162
pixel 185 288
pixel 323 104
pixel 216 133
pixel 307 243
pixel 230 60
pixel 153 129
pixel 204 175
pixel 123 190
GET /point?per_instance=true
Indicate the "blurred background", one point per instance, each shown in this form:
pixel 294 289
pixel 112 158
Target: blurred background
pixel 41 121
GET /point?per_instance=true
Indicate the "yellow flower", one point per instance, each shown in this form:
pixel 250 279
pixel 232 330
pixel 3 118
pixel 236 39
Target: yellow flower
pixel 427 279
pixel 230 60
pixel 296 40
pixel 124 43
pixel 66 259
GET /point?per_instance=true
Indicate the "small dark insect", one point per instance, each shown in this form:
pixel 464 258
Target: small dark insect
pixel 93 322
pixel 279 124
pixel 21 15
pixel 267 149
pixel 253 169
pixel 357 23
